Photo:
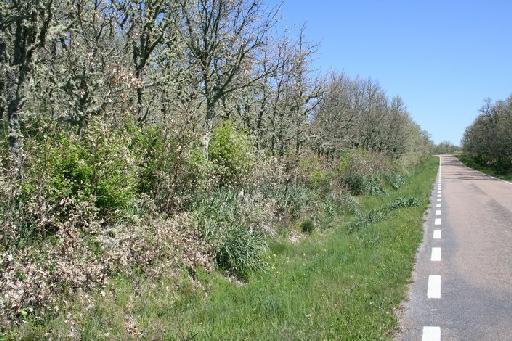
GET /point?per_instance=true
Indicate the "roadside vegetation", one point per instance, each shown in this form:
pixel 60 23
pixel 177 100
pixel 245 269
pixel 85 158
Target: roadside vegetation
pixel 487 143
pixel 165 163
pixel 339 282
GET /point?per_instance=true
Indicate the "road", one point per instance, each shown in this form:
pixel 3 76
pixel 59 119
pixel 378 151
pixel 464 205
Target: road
pixel 462 283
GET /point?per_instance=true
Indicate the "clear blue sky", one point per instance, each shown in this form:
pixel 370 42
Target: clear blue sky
pixel 442 57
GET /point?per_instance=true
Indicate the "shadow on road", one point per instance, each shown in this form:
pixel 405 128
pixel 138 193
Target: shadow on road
pixel 463 172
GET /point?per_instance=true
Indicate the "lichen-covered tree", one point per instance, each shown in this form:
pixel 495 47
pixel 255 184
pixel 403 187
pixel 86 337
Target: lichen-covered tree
pixel 24 27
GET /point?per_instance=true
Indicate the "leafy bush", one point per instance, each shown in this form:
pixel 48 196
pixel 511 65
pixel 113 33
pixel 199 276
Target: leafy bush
pixel 97 167
pixel 363 171
pixel 292 200
pixel 231 153
pixel 166 170
pixel 150 146
pixel 314 173
pixel 234 225
pixel 201 171
pixel 395 179
pixel 241 252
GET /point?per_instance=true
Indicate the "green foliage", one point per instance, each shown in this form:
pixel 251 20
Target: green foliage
pixel 375 215
pixel 293 199
pixel 395 179
pixel 307 226
pixel 231 153
pixel 71 173
pixel 360 183
pixel 367 271
pixel 445 147
pixel 200 169
pixel 364 172
pixel 314 172
pixel 98 166
pixel 480 164
pixel 150 145
pixel 241 252
pixel 487 141
pixel 237 249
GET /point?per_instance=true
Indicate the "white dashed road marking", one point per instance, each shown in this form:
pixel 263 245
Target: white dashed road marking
pixel 436 254
pixel 434 286
pixel 431 334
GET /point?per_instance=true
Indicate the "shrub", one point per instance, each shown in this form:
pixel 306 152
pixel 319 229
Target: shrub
pixel 38 279
pixel 165 169
pixel 234 224
pixel 149 145
pixel 241 252
pixel 307 226
pixel 362 171
pixel 97 167
pixel 292 200
pixel 395 179
pixel 231 153
pixel 201 170
pixel 313 172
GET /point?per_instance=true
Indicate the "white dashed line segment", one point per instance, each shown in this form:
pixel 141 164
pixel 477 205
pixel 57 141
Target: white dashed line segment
pixel 438 212
pixel 438 205
pixel 436 254
pixel 437 221
pixel 436 234
pixel 434 286
pixel 431 334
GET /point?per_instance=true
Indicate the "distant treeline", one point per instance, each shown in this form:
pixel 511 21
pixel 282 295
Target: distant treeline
pixel 488 141
pixel 445 147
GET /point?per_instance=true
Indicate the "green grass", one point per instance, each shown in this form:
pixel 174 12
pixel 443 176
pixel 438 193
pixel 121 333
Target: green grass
pixel 334 284
pixel 468 161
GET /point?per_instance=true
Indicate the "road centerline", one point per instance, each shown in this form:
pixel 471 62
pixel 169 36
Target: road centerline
pixel 434 286
pixel 436 254
pixel 431 333
pixel 436 234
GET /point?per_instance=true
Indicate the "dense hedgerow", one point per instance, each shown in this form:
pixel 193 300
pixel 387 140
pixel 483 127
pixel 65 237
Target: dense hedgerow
pixel 127 145
pixel 86 198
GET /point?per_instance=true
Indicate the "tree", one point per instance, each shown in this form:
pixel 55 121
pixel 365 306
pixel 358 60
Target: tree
pixel 488 140
pixel 223 38
pixel 24 26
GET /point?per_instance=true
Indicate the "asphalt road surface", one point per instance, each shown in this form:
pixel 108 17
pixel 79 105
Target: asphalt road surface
pixel 462 283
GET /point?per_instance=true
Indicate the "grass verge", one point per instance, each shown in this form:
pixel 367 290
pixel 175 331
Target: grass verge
pixel 338 283
pixel 468 161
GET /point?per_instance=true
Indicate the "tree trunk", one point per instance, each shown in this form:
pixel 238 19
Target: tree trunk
pixel 210 115
pixel 2 90
pixel 14 130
